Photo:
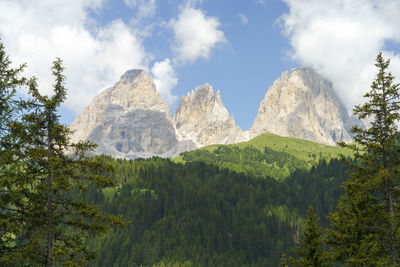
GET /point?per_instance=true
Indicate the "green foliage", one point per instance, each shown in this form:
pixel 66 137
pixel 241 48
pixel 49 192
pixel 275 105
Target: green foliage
pixel 365 226
pixel 283 260
pixel 10 197
pixel 200 215
pixel 302 149
pixel 41 187
pixel 266 155
pixel 310 249
pixel 9 80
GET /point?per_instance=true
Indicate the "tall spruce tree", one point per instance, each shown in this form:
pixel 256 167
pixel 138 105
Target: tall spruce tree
pixel 11 217
pixel 365 226
pixel 310 251
pixel 50 174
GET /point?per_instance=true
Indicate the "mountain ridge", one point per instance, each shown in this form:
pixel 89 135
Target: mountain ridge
pixel 130 119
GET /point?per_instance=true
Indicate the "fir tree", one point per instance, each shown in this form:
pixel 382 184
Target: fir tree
pixel 51 174
pixel 310 250
pixel 366 223
pixel 357 225
pixel 10 197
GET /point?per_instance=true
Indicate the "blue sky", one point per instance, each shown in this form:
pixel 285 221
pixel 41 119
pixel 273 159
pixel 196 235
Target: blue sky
pixel 238 46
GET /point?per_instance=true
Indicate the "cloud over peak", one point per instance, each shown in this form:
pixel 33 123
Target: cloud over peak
pixel 341 39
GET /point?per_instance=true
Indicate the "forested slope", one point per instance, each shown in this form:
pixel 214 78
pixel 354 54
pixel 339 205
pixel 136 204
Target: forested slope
pixel 199 214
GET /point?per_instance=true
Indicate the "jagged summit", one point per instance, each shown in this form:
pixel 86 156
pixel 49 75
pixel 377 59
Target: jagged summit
pixel 128 120
pixel 136 90
pixel 202 118
pixel 303 104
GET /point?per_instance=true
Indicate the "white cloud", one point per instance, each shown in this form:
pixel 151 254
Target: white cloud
pixel 37 32
pixel 145 8
pixel 243 18
pixel 165 80
pixel 195 34
pixel 341 39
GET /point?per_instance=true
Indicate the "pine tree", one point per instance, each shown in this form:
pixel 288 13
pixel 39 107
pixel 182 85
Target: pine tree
pixel 10 199
pixel 310 250
pixel 357 225
pixel 52 173
pixel 366 223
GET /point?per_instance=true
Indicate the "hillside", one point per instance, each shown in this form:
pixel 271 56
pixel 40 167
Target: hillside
pixel 196 214
pixel 266 155
pixel 222 205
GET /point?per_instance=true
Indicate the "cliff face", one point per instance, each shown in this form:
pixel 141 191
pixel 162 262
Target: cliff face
pixel 202 118
pixel 128 120
pixel 303 104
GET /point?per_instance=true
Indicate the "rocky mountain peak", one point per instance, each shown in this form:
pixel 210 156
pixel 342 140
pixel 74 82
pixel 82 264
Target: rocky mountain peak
pixel 136 90
pixel 202 118
pixel 303 104
pixel 128 120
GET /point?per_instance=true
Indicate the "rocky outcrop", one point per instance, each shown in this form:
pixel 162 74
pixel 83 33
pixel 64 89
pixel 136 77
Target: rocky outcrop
pixel 129 120
pixel 202 118
pixel 303 104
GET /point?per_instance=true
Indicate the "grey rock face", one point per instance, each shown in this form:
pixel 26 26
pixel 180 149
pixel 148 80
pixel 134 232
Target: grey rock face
pixel 303 104
pixel 128 120
pixel 202 118
pixel 138 133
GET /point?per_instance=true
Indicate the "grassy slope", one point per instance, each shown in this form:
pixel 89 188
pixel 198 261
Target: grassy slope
pixel 309 153
pixel 301 149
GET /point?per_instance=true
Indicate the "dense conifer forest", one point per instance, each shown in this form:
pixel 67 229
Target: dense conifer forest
pixel 198 214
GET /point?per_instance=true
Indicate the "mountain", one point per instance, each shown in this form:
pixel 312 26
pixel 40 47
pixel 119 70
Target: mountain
pixel 303 104
pixel 202 118
pixel 129 120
